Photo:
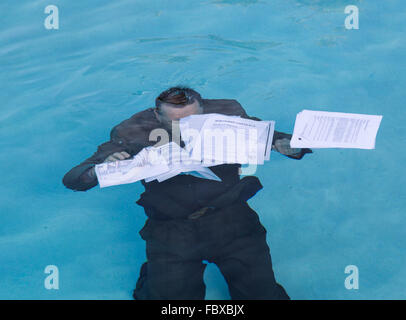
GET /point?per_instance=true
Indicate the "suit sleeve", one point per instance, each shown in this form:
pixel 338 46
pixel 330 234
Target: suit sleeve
pixel 79 178
pixel 277 136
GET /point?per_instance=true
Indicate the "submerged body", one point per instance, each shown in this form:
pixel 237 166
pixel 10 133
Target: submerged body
pixel 192 219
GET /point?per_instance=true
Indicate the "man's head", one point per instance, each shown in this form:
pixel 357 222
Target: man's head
pixel 176 103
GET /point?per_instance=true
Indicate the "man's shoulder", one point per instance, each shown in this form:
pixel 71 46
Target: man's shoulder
pixel 223 106
pixel 138 125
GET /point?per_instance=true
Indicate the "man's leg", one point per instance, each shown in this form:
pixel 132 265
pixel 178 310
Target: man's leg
pixel 246 263
pixel 173 270
pixel 140 292
pixel 169 280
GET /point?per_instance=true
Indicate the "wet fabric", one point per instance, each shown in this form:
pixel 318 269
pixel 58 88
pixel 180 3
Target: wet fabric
pixel 233 238
pixel 159 205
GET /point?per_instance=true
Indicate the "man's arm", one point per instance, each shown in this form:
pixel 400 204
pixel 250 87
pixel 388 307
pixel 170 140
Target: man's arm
pixel 83 177
pixel 280 141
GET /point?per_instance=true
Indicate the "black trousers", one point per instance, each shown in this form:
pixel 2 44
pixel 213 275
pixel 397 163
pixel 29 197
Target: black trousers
pixel 233 238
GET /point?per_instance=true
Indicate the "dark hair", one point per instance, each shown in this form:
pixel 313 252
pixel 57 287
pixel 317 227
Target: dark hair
pixel 178 97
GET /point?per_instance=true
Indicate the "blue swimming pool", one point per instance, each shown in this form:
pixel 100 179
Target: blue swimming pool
pixel 63 90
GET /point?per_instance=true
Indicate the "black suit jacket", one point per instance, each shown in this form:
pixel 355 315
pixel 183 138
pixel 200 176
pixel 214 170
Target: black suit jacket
pixel 132 135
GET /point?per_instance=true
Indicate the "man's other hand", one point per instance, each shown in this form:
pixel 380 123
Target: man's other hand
pixel 283 146
pixel 116 156
pixel 91 173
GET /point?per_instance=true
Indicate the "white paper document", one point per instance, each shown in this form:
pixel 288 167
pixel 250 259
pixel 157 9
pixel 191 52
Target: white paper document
pixel 141 166
pixel 210 139
pixel 152 163
pixel 217 139
pixel 321 129
pixel 178 161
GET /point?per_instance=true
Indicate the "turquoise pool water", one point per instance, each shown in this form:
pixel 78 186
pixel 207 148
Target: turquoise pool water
pixel 63 90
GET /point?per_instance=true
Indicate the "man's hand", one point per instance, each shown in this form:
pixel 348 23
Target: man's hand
pixel 117 156
pixel 91 173
pixel 283 146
